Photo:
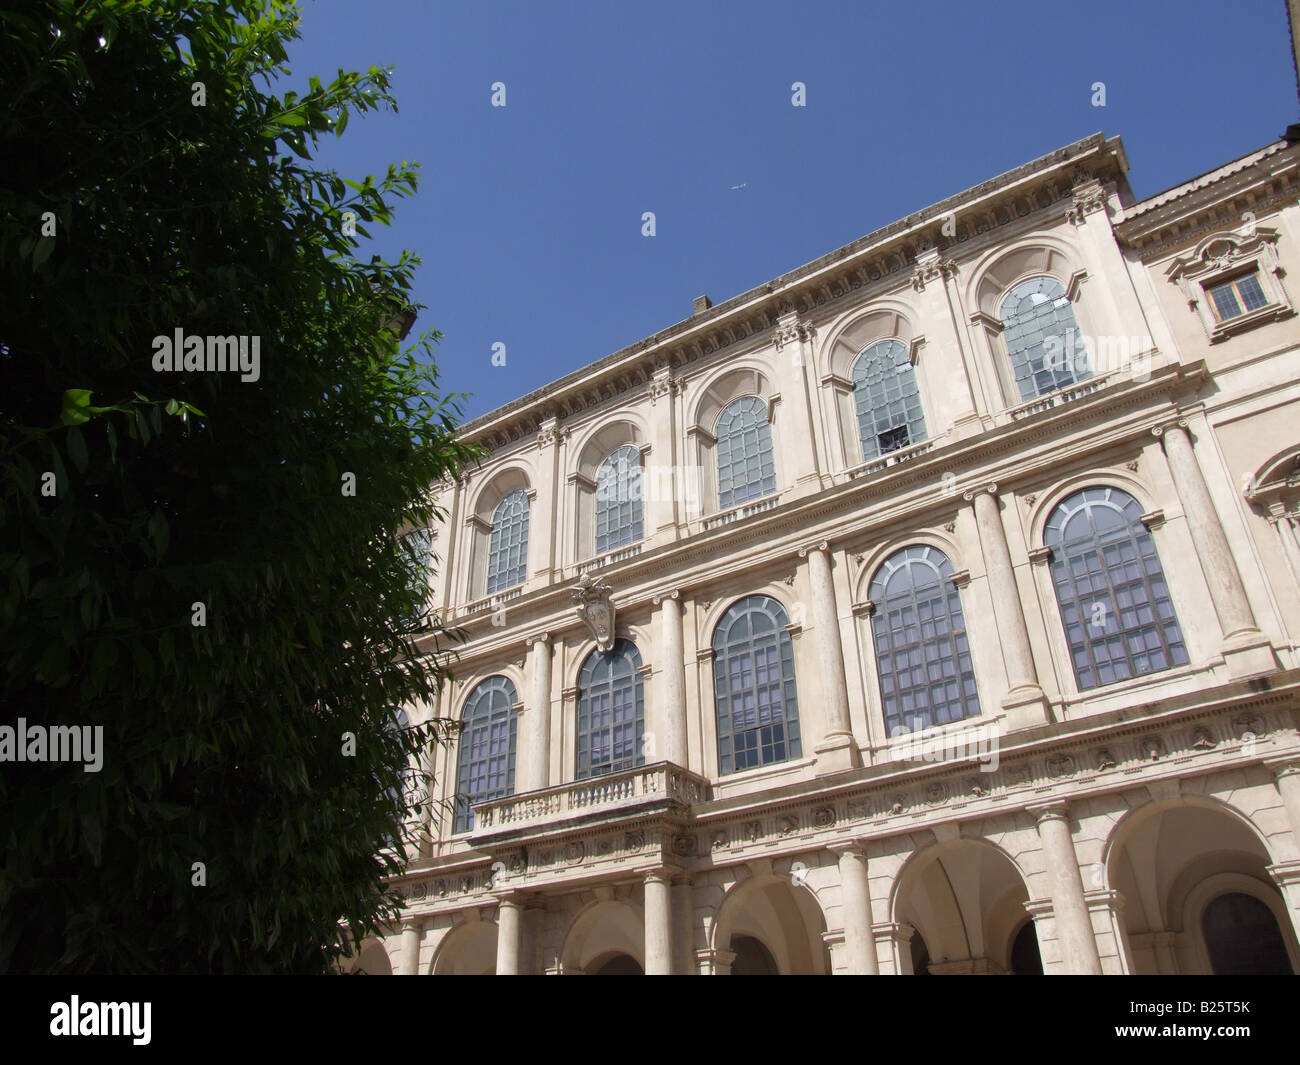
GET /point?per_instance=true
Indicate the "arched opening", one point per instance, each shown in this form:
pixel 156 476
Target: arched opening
pixel 1242 937
pixel 469 949
pixel 600 935
pixel 372 960
pixel 966 900
pixel 784 923
pixel 751 958
pixel 1026 960
pixel 1182 869
pixel 619 965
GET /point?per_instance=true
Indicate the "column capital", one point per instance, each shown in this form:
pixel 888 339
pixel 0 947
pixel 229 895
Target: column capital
pixel 661 596
pixel 821 545
pixel 659 874
pixel 1049 811
pixel 1286 765
pixel 855 847
pixel 990 489
pixel 538 637
pixel 1178 422
pixel 895 931
pixel 1040 909
pixel 412 924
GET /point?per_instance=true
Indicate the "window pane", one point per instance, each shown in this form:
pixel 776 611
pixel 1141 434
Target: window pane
pixel 754 691
pixel 611 711
pixel 508 544
pixel 1115 606
pixel 887 400
pixel 486 760
pixel 619 519
pixel 1044 346
pixel 746 466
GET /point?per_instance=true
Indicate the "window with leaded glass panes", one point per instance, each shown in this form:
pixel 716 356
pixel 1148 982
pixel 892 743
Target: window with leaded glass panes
pixel 754 692
pixel 1044 345
pixel 485 767
pixel 611 711
pixel 1115 606
pixel 887 399
pixel 1238 296
pixel 922 658
pixel 508 544
pixel 619 514
pixel 746 467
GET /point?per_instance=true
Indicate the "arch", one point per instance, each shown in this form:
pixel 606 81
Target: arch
pixel 469 949
pixel 485 757
pixel 1168 859
pixel 924 667
pixel 725 386
pixel 998 271
pixel 617 964
pixel 370 960
pixel 1281 956
pixel 600 930
pixel 611 711
pixel 887 399
pixel 965 898
pixel 627 428
pixel 583 500
pixel 1110 588
pixel 859 329
pixel 510 477
pixel 756 701
pixel 786 918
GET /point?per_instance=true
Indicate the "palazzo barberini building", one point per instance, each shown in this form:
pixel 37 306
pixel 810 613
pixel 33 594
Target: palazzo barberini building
pixel 930 609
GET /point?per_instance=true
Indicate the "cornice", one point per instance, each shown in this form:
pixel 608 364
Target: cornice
pixel 887 254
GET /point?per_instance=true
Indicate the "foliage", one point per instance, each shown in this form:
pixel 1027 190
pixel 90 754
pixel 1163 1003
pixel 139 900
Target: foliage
pixel 223 742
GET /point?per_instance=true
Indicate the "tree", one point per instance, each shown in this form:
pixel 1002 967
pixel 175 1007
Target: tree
pixel 207 564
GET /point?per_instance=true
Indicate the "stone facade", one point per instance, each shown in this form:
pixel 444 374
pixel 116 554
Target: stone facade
pixel 1106 819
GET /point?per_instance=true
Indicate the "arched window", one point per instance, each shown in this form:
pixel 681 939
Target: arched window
pixel 1115 605
pixel 619 519
pixel 887 399
pixel 1242 937
pixel 611 711
pixel 508 548
pixel 922 657
pixel 746 468
pixel 753 686
pixel 1042 338
pixel 486 765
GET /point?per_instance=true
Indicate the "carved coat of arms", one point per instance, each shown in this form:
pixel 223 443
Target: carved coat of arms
pixel 592 603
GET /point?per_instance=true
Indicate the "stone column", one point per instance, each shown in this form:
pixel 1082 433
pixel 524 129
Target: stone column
pixel 1245 649
pixel 537 768
pixel 683 903
pixel 658 923
pixel 855 894
pixel 1024 702
pixel 412 930
pixel 837 750
pixel 666 499
pixel 509 927
pixel 543 566
pixel 673 715
pixel 1069 907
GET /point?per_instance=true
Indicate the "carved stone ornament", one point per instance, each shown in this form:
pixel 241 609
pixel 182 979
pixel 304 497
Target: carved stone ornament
pixel 595 608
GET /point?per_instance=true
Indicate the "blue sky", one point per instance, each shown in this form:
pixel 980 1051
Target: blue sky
pixel 528 218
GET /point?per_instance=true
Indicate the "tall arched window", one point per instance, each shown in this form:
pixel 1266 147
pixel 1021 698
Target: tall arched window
pixel 611 711
pixel 1115 605
pixel 619 516
pixel 486 763
pixel 887 399
pixel 1042 337
pixel 922 657
pixel 508 547
pixel 746 467
pixel 753 686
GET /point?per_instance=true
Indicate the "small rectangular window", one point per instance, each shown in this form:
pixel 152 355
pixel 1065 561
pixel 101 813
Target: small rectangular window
pixel 1237 296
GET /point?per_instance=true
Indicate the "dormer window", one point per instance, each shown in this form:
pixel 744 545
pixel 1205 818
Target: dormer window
pixel 1233 282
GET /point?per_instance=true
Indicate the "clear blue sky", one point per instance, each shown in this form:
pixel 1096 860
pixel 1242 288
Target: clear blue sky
pixel 528 217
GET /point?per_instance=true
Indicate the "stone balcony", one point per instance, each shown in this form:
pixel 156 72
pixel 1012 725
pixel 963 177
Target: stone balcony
pixel 661 788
